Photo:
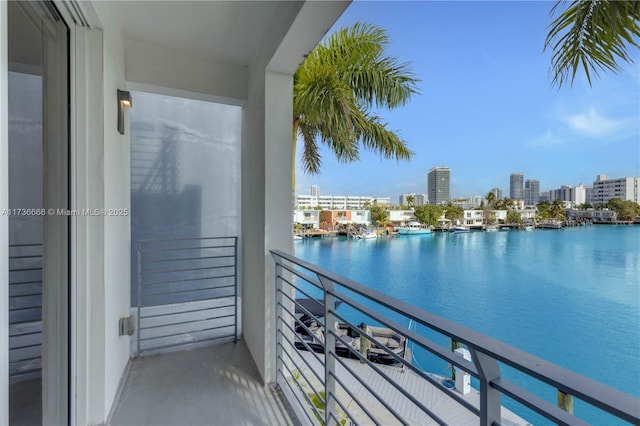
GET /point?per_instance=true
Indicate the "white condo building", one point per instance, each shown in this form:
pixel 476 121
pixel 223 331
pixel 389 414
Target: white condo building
pixel 338 202
pixel 604 189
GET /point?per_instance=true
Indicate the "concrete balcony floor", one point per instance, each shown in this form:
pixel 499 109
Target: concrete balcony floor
pixel 218 385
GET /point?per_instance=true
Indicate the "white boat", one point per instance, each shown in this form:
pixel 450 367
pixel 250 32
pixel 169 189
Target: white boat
pixel 369 236
pixel 413 228
pixel 460 229
pixel 529 228
pixel 297 238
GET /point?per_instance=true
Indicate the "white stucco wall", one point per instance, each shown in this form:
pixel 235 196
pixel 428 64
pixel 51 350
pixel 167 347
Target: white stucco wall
pixel 117 234
pixel 169 68
pixel 111 297
pixel 266 155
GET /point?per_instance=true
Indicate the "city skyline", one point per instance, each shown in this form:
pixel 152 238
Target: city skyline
pixel 486 108
pixel 529 192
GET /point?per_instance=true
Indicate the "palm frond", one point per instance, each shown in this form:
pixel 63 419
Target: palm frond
pixel 592 35
pixel 311 158
pixel 336 85
pixel 376 137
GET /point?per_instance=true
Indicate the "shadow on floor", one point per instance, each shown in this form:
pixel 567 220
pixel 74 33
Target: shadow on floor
pixel 219 385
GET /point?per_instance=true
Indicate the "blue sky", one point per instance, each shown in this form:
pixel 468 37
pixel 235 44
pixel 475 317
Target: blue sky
pixel 486 108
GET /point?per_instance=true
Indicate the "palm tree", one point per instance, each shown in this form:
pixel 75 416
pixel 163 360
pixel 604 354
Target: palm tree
pixel 557 209
pixel 592 35
pixel 334 90
pixel 410 200
pixel 491 199
pixel 505 204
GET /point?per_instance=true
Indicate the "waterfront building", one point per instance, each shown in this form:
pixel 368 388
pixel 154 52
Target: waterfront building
pixel 331 219
pixel 476 218
pixel 335 202
pixel 307 218
pixel 439 185
pixel 473 218
pixel 401 217
pixel 626 189
pixel 531 192
pixel 516 186
pixel 527 215
pixel 599 216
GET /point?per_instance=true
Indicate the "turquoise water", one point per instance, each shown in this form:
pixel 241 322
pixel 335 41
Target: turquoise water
pixel 570 296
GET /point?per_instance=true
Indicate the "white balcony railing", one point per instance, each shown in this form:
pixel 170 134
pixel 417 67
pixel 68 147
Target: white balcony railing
pixel 324 387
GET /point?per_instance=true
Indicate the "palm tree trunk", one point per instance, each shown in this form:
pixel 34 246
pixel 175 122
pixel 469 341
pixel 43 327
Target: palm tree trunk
pixel 296 124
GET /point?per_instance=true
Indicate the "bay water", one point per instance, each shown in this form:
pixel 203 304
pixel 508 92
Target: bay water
pixel 569 296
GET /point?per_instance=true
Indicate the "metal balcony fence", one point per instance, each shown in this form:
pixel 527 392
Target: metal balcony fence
pixel 327 388
pixel 25 311
pixel 187 293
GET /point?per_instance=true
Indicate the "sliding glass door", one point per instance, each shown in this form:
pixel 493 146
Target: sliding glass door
pixel 38 228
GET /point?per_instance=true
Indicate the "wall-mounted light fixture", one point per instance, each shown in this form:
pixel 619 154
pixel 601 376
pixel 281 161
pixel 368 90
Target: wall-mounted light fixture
pixel 124 101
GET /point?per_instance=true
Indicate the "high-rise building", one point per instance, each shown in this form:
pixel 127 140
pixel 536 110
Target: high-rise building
pixel 315 190
pixel 604 189
pixel 580 194
pixel 421 200
pixel 404 199
pixel 438 185
pixel 531 192
pixel 516 186
pixel 497 192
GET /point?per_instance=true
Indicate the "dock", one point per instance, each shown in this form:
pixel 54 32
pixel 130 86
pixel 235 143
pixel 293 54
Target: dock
pixel 433 397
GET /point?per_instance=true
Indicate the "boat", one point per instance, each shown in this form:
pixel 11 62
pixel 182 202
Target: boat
pixel 310 335
pixel 413 228
pixel 529 228
pixel 368 236
pixel 460 229
pixel 492 228
pixel 297 238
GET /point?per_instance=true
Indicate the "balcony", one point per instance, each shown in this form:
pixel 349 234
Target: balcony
pixel 221 383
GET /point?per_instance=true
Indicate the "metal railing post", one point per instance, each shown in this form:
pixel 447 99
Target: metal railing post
pixel 490 404
pixel 278 315
pixel 329 351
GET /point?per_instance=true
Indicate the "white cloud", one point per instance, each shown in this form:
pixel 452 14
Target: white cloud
pixel 592 123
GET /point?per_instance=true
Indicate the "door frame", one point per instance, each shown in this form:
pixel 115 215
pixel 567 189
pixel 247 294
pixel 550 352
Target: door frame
pixel 86 131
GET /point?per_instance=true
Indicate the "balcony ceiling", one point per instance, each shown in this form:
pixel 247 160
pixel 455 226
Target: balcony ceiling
pixel 229 31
